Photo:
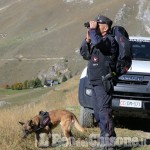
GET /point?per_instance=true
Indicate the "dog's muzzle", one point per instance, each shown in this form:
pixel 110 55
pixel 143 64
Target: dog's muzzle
pixel 25 133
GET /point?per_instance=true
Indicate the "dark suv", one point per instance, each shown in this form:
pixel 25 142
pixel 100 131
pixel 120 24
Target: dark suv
pixel 131 97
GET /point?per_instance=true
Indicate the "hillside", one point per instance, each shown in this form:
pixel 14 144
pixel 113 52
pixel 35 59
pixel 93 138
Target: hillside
pixel 34 35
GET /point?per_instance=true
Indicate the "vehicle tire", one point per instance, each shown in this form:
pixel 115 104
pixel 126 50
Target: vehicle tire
pixel 86 118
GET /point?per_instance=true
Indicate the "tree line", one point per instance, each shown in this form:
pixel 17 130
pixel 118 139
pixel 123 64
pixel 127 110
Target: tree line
pixel 27 84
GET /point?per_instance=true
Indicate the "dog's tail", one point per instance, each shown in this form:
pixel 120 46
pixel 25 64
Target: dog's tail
pixel 77 125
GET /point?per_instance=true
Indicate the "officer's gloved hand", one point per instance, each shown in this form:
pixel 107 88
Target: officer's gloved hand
pixel 109 76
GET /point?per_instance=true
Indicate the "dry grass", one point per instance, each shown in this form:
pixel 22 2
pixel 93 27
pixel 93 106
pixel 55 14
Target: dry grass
pixel 62 97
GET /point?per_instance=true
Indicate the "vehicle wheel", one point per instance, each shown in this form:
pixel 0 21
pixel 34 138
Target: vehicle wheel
pixel 86 117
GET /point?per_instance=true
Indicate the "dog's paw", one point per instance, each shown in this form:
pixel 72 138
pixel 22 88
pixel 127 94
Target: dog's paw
pixel 68 144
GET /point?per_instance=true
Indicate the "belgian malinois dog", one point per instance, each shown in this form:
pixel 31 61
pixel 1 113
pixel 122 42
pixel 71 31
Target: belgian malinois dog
pixel 63 117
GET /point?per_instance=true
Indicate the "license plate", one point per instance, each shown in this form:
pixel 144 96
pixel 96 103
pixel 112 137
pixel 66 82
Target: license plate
pixel 130 103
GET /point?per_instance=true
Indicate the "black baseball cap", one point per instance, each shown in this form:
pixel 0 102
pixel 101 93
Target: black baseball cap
pixel 104 20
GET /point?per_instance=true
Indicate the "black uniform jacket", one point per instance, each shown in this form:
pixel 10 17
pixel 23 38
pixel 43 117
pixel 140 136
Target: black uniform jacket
pixel 101 54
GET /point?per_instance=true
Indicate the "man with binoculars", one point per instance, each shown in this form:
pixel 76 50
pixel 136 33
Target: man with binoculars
pixel 101 50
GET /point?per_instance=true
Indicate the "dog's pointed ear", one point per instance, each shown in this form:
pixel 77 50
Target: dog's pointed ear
pixel 30 122
pixel 22 123
pixel 41 112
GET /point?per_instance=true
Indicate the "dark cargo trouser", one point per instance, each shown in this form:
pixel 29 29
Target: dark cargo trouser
pixel 103 114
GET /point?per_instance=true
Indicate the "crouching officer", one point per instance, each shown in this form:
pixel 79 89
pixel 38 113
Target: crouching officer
pixel 101 51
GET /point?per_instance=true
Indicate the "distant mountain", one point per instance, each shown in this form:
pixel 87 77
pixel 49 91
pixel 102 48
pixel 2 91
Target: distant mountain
pixel 35 35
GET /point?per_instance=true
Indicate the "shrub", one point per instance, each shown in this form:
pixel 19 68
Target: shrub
pixel 64 78
pixel 17 86
pixel 38 83
pixel 31 83
pixel 26 84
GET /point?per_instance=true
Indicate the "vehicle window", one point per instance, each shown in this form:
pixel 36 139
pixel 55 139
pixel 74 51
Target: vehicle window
pixel 140 50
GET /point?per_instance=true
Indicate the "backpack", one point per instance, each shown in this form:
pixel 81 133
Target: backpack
pixel 124 60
